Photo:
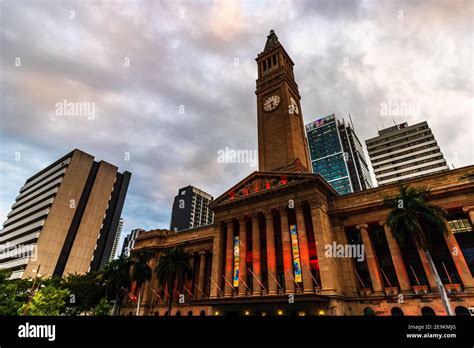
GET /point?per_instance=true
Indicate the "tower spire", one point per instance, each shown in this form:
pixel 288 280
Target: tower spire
pixel 272 41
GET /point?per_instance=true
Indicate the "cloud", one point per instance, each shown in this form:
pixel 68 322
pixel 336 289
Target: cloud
pixel 173 82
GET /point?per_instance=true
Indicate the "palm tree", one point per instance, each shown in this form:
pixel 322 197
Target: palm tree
pixel 140 271
pixel 117 276
pixel 172 269
pixel 412 218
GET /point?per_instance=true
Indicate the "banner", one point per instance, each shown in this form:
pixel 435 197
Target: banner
pixel 236 261
pixel 296 253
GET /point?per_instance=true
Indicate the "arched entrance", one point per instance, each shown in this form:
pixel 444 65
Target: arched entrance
pixel 369 312
pixel 428 312
pixel 462 311
pixel 397 312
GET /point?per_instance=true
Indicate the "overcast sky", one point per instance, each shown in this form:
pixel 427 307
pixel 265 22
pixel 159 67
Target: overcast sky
pixel 173 82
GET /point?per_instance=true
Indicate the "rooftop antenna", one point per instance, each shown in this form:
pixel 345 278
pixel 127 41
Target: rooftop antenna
pixel 352 124
pixel 395 123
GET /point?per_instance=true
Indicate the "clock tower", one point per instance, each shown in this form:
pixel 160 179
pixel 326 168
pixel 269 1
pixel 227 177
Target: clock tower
pixel 282 143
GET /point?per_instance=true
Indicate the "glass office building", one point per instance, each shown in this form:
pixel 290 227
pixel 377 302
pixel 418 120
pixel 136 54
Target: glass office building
pixel 337 155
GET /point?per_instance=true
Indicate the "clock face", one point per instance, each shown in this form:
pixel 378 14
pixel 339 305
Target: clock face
pixel 271 103
pixel 293 107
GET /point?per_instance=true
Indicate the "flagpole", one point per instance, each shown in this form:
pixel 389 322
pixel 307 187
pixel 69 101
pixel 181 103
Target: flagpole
pixel 358 277
pixel 273 277
pixel 202 292
pixel 138 302
pixel 156 294
pixel 245 284
pixel 311 274
pixel 253 274
pixel 232 287
pixel 294 280
pixel 189 292
pixel 217 286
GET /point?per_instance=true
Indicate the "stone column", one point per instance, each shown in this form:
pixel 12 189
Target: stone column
pixel 397 259
pixel 202 271
pixel 217 255
pixel 459 260
pixel 147 293
pixel 429 273
pixel 229 258
pixel 287 252
pixel 154 280
pixel 271 257
pixel 323 237
pixel 304 250
pixel 242 257
pixel 371 258
pixel 470 211
pixel 349 282
pixel 256 266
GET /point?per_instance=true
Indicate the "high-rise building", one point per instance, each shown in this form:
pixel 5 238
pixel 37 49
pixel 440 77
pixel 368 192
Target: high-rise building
pixel 116 240
pixel 190 209
pixel 337 155
pixel 64 219
pixel 404 152
pixel 129 241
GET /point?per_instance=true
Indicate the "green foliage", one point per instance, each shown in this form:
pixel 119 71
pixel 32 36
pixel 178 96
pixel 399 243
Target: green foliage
pixel 102 308
pixel 141 272
pixel 85 290
pixel 411 217
pixel 13 294
pixel 172 269
pixel 116 275
pixel 4 275
pixel 48 300
pixel 74 294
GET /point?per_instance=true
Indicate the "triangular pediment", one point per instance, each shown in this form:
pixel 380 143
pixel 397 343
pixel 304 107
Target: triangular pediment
pixel 261 183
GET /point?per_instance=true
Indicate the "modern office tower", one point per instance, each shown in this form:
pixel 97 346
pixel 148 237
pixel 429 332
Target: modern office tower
pixel 404 152
pixel 337 155
pixel 190 209
pixel 64 219
pixel 116 240
pixel 129 241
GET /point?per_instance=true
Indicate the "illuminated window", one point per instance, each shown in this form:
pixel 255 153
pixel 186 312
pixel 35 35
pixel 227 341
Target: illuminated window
pixel 460 225
pixel 464 235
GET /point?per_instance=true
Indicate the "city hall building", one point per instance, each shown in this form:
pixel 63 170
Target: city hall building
pixel 284 242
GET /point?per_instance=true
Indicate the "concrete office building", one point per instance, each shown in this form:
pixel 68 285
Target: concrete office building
pixel 190 209
pixel 404 152
pixel 64 219
pixel 129 241
pixel 116 240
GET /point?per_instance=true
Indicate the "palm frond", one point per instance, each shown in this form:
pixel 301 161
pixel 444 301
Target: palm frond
pixel 412 218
